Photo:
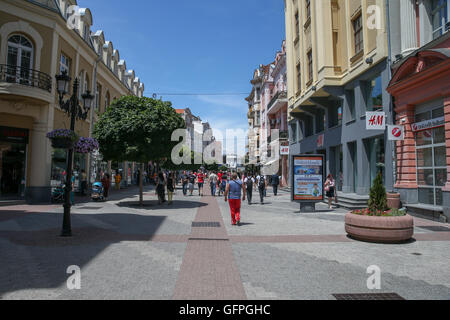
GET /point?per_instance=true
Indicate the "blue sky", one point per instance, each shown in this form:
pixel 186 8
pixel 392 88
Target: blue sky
pixel 196 46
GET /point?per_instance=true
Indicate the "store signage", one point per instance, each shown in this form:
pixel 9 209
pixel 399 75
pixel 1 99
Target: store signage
pixel 428 124
pixel 15 135
pixel 375 120
pixel 396 133
pixel 320 141
pixel 284 150
pixel 308 178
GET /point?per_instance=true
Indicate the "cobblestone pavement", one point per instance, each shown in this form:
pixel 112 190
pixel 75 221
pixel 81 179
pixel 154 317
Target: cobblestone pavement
pixel 156 252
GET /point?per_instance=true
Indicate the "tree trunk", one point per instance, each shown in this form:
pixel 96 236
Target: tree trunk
pixel 141 186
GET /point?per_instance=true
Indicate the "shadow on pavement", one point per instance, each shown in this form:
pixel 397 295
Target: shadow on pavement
pixel 34 256
pixel 153 205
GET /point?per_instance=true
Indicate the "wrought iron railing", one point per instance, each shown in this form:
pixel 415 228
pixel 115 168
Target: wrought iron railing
pixel 27 77
pixel 279 95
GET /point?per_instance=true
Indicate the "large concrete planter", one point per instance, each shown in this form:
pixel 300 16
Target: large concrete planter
pixel 379 229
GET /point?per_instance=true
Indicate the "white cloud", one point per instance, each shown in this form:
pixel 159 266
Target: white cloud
pixel 237 102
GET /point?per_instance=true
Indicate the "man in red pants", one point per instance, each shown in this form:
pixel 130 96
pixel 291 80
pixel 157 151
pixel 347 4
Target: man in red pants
pixel 233 192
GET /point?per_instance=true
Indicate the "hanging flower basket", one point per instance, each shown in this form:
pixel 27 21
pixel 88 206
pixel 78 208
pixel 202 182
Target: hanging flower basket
pixel 62 138
pixel 86 145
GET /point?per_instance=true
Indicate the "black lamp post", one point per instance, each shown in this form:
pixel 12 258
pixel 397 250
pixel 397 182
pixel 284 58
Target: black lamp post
pixel 74 111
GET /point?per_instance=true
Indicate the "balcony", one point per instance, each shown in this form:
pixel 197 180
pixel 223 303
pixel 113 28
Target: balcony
pixel 26 77
pixel 277 102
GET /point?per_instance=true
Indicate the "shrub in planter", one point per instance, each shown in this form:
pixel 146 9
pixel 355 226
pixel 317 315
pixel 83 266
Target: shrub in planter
pixel 62 138
pixel 378 223
pixel 86 145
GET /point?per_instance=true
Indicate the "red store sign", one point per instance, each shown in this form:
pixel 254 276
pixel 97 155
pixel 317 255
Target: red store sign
pixel 428 124
pixel 15 135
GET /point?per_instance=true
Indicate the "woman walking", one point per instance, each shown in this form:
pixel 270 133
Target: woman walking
pixel 160 186
pixel 330 189
pixel 234 192
pixel 106 183
pixel 170 187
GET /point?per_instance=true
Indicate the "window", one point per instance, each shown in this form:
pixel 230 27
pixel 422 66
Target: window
pixel 294 132
pixel 310 66
pixel 308 9
pixel 297 25
pixel 98 90
pixel 375 95
pixel 107 102
pixel 258 94
pixel 431 160
pixel 320 119
pixel 439 17
pixel 358 34
pixel 299 78
pixel 19 59
pixel 64 64
pixel 350 95
pixel 86 32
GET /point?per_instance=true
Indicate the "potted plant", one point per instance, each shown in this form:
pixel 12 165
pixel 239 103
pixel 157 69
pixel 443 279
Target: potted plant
pixel 379 223
pixel 86 145
pixel 62 138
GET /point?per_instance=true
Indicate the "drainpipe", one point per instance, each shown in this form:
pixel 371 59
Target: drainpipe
pixel 99 58
pixel 391 102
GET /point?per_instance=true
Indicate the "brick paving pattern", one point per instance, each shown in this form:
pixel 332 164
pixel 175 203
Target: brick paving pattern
pixel 190 251
pixel 209 271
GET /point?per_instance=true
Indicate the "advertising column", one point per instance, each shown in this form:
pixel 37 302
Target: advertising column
pixel 308 180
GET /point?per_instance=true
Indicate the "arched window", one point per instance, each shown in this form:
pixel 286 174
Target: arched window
pixel 20 59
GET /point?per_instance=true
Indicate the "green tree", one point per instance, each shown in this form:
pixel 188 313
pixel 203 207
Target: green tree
pixel 137 130
pixel 378 198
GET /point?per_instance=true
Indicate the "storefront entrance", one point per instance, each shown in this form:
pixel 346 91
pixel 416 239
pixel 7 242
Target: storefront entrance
pixel 13 157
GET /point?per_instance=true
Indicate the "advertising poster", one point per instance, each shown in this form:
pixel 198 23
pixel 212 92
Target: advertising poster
pixel 308 178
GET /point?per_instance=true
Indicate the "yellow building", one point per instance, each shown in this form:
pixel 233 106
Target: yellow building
pixel 337 71
pixel 38 40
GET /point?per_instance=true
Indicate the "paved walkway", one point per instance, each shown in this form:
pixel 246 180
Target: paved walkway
pixel 190 251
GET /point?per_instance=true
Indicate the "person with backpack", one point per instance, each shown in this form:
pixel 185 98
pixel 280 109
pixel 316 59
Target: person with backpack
pixel 192 179
pixel 275 183
pixel 224 182
pixel 234 192
pixel 249 181
pixel 262 183
pixel 213 178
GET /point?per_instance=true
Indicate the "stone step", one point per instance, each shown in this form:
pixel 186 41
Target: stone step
pixel 351 201
pixel 5 203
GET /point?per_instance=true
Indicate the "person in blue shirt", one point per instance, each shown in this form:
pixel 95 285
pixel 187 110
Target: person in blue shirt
pixel 233 194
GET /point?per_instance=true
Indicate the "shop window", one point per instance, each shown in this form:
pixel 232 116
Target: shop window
pixel 375 95
pixel 431 160
pixel 320 120
pixel 377 158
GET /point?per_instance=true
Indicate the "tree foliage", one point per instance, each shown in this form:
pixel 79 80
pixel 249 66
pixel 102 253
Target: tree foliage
pixel 378 198
pixel 168 164
pixel 137 130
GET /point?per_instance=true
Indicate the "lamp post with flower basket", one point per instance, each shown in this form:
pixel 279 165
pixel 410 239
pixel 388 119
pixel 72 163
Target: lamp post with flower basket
pixel 75 111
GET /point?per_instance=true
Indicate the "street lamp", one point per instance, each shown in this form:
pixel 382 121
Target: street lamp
pixel 74 111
